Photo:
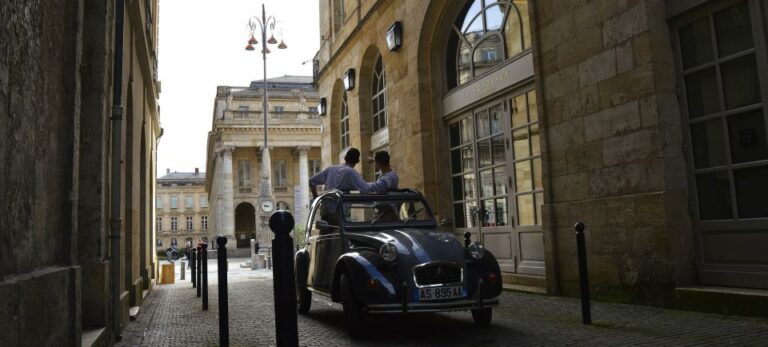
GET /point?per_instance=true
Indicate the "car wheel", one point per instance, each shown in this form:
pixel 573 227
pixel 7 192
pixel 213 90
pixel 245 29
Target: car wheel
pixel 303 299
pixel 482 316
pixel 353 313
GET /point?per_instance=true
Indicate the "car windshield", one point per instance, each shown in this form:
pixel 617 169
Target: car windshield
pixel 389 211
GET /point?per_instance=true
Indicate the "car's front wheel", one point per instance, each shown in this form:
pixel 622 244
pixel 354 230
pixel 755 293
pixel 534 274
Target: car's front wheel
pixel 482 316
pixel 303 299
pixel 353 312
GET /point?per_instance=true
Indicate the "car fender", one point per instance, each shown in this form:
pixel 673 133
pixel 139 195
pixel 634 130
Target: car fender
pixel 359 267
pixel 301 268
pixel 481 268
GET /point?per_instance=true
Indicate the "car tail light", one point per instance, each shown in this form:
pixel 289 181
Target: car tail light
pixel 372 283
pixel 492 277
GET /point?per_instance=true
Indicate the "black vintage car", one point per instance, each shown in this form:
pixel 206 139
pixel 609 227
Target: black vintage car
pixel 383 253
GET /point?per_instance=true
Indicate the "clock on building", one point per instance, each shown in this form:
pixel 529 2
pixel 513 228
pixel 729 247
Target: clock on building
pixel 267 206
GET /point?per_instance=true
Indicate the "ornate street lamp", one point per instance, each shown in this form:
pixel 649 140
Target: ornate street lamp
pixel 261 26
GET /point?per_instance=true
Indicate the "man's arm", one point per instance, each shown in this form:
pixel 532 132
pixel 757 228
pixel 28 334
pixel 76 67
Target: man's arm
pixel 359 183
pixel 318 178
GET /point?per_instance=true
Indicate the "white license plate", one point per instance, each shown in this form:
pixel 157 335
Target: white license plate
pixel 440 293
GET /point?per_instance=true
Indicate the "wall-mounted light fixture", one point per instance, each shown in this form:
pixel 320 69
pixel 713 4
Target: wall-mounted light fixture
pixel 322 107
pixel 395 36
pixel 349 79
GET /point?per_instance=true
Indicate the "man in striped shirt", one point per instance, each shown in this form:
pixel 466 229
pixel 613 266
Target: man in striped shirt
pixel 344 177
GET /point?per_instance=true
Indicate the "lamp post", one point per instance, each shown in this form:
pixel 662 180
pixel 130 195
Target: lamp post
pixel 264 24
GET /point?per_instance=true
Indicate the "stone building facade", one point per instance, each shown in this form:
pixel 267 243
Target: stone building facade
pixel 645 119
pixel 234 156
pixel 64 186
pixel 181 210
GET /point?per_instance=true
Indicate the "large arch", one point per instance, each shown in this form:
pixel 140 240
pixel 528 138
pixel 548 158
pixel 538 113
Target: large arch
pixel 245 224
pixel 370 56
pixel 333 118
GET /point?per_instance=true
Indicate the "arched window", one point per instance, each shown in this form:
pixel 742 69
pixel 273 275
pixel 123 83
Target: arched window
pixel 485 34
pixel 344 121
pixel 379 98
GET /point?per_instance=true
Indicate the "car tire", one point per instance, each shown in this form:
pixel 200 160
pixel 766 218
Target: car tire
pixel 482 316
pixel 353 312
pixel 303 299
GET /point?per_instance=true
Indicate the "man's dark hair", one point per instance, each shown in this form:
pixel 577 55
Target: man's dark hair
pixel 381 157
pixel 352 156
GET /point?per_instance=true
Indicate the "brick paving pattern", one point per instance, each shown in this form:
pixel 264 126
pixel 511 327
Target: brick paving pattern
pixel 172 316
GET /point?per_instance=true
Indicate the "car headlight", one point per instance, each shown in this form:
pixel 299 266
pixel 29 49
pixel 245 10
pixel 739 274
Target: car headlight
pixel 388 251
pixel 476 250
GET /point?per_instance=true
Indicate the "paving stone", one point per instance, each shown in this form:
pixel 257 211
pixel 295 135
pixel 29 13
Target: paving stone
pixel 172 316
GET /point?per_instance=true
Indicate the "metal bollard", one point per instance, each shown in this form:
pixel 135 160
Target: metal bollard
pixel 205 276
pixel 183 269
pixel 287 333
pixel 221 257
pixel 581 249
pixel 199 273
pixel 193 263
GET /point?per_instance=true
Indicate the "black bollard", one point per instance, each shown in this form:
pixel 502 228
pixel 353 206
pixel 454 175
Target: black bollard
pixel 287 333
pixel 193 263
pixel 221 256
pixel 205 276
pixel 581 249
pixel 199 273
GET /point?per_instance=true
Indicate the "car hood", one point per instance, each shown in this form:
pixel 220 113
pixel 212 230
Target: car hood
pixel 414 246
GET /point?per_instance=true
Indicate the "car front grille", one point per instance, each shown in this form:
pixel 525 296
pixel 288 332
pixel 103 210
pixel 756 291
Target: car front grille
pixel 439 273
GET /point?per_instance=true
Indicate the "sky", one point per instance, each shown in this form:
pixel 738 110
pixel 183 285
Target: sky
pixel 201 46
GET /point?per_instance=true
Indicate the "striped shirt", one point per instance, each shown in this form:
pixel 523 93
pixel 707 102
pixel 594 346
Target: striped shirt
pixel 387 181
pixel 345 178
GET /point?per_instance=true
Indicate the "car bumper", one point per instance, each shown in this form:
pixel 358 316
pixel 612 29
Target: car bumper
pixel 458 305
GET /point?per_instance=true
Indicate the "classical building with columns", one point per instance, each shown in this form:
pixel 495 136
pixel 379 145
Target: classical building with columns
pixel 235 151
pixel 644 119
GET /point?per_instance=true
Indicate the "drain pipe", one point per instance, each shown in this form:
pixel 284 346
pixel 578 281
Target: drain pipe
pixel 116 184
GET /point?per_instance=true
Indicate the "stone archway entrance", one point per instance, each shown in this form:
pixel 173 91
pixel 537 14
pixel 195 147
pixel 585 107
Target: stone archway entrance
pixel 245 224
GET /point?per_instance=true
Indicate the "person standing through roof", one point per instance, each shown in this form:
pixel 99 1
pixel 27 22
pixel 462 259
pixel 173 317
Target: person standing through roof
pixel 343 177
pixel 389 180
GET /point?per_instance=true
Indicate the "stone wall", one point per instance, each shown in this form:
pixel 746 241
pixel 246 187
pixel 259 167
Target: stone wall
pixel 614 157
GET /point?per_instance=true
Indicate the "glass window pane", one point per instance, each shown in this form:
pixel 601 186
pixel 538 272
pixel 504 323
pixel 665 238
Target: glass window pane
pixel 535 142
pixel 467 23
pixel 703 96
pixel 459 219
pixel 525 214
pixel 747 135
pixel 517 36
pixel 496 119
pixel 708 144
pixel 523 181
pixel 696 43
pixel 752 192
pixel 456 161
pixel 740 82
pixel 533 112
pixel 519 111
pixel 734 29
pixel 471 214
pixel 484 153
pixel 494 16
pixel 539 202
pixel 483 125
pixel 467 158
pixel 488 53
pixel 463 65
pixel 714 196
pixel 458 192
pixel 489 213
pixel 500 180
pixel 537 174
pixel 520 142
pixel 469 186
pixel 486 183
pixel 466 130
pixel 501 212
pixel 499 153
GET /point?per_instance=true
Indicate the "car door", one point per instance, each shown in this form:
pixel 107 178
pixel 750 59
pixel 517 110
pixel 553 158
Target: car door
pixel 312 245
pixel 329 245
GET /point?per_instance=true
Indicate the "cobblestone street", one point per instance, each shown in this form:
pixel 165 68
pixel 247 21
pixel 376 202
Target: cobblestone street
pixel 172 316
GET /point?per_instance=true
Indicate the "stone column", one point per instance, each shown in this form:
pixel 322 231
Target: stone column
pixel 227 190
pixel 301 214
